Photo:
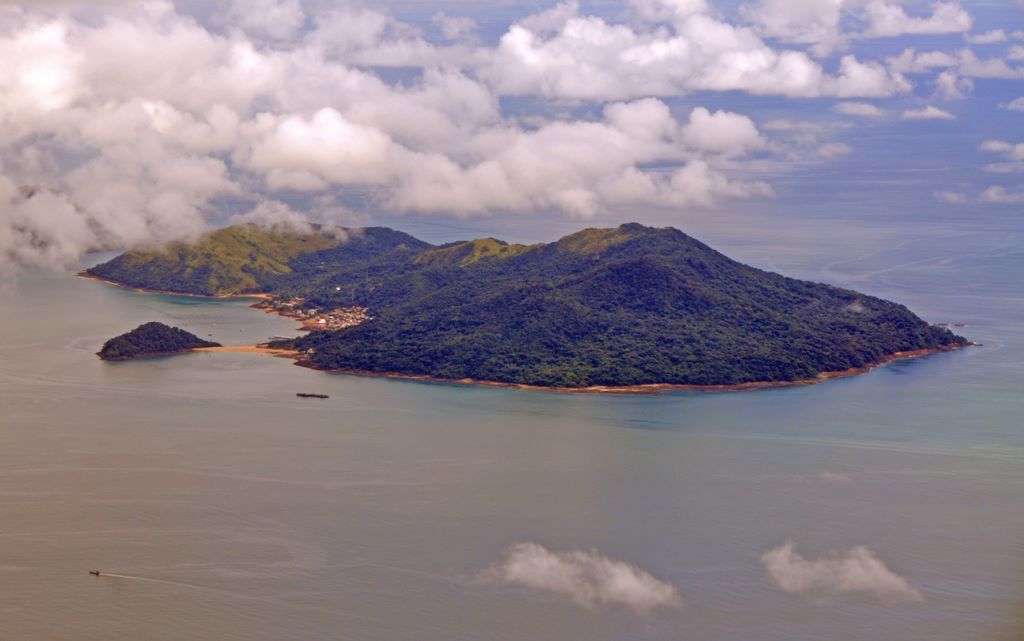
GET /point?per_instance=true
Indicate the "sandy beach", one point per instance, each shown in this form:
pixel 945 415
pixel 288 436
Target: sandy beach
pixel 250 349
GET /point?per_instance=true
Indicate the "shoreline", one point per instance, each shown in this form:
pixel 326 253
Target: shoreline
pixel 646 388
pixel 651 388
pixel 164 292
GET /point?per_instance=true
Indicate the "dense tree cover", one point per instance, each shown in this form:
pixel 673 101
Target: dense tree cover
pixel 627 306
pixel 150 339
pixel 623 306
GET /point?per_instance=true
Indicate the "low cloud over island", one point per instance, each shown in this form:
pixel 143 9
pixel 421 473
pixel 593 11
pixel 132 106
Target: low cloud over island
pixel 569 110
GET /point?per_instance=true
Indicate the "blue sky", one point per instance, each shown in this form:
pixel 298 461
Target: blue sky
pixel 133 122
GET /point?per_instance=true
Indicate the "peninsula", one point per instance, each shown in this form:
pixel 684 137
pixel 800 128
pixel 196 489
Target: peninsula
pixel 630 307
pixel 151 339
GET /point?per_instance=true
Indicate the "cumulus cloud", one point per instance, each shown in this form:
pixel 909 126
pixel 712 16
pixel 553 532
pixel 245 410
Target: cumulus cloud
pixel 857 571
pixel 1012 153
pixel 987 38
pixel 949 86
pixel 123 151
pixel 1001 196
pixel 1017 104
pixel 860 109
pixel 588 578
pixel 721 132
pixel 964 62
pixel 810 22
pixel 589 58
pixel 820 23
pixel 453 27
pixel 280 96
pixel 276 19
pixel 928 113
pixel 889 19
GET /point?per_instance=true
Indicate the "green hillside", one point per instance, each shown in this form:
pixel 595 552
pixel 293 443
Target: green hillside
pixel 626 306
pixel 469 251
pixel 234 260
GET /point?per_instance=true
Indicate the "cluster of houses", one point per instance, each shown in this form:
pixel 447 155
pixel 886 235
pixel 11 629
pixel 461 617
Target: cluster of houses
pixel 314 319
pixel 336 318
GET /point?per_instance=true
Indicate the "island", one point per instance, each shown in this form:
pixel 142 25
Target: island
pixel 151 339
pixel 624 308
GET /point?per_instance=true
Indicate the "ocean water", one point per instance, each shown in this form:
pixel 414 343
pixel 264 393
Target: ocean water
pixel 229 509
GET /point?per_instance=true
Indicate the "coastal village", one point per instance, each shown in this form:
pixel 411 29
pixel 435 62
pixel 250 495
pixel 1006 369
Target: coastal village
pixel 314 319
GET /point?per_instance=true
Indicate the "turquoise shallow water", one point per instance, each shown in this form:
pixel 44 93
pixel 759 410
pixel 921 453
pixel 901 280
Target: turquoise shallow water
pixel 234 510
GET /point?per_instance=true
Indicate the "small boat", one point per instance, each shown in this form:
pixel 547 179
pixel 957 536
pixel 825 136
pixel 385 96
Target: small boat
pixel 302 395
pixel 94 572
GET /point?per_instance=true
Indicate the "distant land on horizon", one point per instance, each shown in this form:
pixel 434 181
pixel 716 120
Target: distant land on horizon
pixel 618 307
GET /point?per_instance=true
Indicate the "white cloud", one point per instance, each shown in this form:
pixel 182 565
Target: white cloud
pixel 671 11
pixel 721 132
pixel 949 86
pixel 889 19
pixel 819 24
pixel 136 152
pixel 588 58
pixel 810 22
pixel 589 578
pixel 964 62
pixel 987 38
pixel 928 113
pixel 952 197
pixel 1017 104
pixel 326 145
pixel 858 571
pixel 276 19
pixel 974 67
pixel 860 109
pixel 453 27
pixel 285 95
pixel 1012 153
pixel 1010 150
pixel 272 213
pixel 582 167
pixel 1001 196
pixel 910 61
pixel 1016 53
pixel 833 150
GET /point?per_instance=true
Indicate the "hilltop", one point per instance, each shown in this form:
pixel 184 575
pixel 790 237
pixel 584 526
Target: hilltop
pixel 625 306
pixel 151 339
pixel 248 259
pixel 234 260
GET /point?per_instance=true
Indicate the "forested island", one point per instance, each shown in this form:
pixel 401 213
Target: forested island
pixel 151 339
pixel 625 306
